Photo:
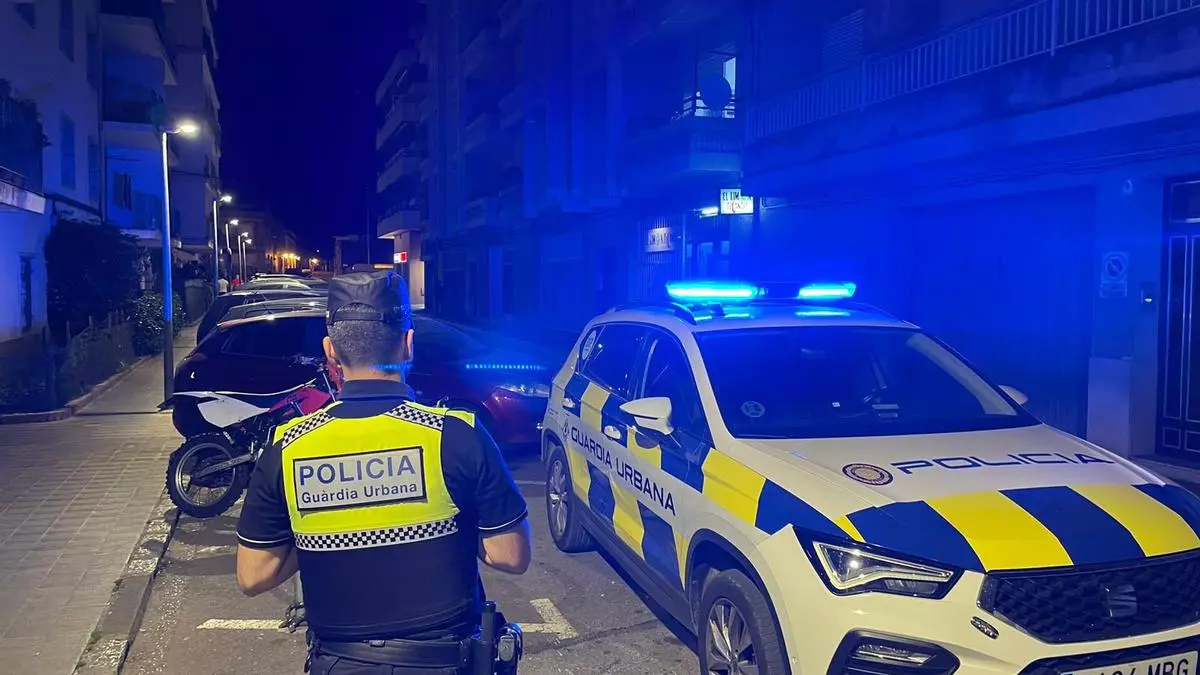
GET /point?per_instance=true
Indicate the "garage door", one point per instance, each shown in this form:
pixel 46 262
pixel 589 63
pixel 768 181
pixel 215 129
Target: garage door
pixel 1007 282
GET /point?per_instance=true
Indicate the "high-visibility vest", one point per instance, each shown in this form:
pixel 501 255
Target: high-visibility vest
pixel 354 483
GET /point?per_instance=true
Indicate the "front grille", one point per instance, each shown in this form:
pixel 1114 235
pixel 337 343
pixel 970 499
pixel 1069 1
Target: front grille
pixel 1098 603
pixel 1116 657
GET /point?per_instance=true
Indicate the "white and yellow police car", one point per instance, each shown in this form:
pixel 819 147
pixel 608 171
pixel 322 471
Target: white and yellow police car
pixel 815 486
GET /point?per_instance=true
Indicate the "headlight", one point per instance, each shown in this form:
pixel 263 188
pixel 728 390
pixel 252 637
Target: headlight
pixel 849 569
pixel 530 390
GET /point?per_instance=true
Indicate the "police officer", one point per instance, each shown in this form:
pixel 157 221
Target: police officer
pixel 383 504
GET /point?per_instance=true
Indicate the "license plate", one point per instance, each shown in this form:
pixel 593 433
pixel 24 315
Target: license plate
pixel 1177 664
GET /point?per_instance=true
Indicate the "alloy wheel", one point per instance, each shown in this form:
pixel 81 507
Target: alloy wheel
pixel 557 493
pixel 728 641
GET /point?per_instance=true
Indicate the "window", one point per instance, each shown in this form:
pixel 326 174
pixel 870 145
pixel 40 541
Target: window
pixel 609 357
pixel 276 339
pixel 841 381
pixel 123 191
pixel 94 59
pixel 67 143
pixel 28 12
pixel 66 28
pixel 93 170
pixel 669 375
pixel 26 293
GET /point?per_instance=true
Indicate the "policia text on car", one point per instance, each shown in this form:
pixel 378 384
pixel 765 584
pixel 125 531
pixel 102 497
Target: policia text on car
pixel 384 505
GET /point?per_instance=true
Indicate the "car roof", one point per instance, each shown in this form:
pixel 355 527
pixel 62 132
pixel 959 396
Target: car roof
pixel 282 316
pixel 681 319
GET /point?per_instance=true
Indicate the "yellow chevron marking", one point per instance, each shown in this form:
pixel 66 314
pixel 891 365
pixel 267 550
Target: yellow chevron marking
pixel 849 528
pixel 732 486
pixel 591 406
pixel 1156 528
pixel 1003 535
pixel 627 519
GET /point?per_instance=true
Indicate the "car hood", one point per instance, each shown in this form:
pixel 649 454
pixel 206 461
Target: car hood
pixel 1032 497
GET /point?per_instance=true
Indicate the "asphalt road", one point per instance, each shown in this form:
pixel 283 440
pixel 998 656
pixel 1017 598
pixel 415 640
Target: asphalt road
pixel 580 616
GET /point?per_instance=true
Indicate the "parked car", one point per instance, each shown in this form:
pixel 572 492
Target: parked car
pixel 276 306
pixel 285 283
pixel 244 296
pixel 256 354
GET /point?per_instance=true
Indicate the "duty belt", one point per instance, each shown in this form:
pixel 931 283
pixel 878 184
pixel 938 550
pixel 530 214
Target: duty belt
pixel 400 653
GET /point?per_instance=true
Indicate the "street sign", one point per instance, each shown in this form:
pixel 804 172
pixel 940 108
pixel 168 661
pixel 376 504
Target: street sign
pixel 734 203
pixel 1114 275
pixel 400 258
pixel 659 240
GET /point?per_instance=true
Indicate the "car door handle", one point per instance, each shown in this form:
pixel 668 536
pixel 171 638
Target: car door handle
pixel 612 432
pixel 568 403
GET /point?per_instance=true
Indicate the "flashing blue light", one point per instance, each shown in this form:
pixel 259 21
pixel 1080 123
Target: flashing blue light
pixel 807 313
pixel 503 366
pixel 714 292
pixel 827 291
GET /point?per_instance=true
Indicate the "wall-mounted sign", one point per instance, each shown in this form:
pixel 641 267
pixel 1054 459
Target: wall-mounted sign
pixel 659 240
pixel 400 258
pixel 734 203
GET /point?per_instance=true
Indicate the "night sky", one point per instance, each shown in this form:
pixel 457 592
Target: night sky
pixel 297 92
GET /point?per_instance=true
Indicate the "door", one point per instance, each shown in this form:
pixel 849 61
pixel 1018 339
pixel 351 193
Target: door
pixel 657 468
pixel 596 430
pixel 1178 430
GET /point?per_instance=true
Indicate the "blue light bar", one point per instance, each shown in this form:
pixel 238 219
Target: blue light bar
pixel 827 291
pixel 808 313
pixel 711 291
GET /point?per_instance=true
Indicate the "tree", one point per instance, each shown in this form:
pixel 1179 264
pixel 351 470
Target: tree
pixel 91 272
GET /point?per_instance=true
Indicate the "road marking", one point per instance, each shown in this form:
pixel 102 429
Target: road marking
pixel 553 622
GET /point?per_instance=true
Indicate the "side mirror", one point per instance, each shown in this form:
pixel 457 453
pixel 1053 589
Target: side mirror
pixel 1015 394
pixel 652 414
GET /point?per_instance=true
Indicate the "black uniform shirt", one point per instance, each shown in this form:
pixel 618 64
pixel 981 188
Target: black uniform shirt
pixel 422 590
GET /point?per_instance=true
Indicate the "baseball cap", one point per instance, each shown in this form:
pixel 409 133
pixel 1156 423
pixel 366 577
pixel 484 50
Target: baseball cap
pixel 369 296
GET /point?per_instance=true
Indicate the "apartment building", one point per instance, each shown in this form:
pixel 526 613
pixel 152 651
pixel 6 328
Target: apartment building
pixel 579 149
pixel 195 179
pixel 1018 177
pixel 50 132
pixel 402 157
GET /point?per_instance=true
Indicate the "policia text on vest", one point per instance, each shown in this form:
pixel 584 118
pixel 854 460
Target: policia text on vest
pixel 386 507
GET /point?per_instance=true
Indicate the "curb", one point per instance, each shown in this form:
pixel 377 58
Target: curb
pixel 75 405
pixel 109 644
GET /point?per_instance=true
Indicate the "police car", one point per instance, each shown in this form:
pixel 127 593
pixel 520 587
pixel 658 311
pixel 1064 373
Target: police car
pixel 815 486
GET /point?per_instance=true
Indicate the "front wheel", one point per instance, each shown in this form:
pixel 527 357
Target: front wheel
pixel 565 521
pixel 737 632
pixel 208 495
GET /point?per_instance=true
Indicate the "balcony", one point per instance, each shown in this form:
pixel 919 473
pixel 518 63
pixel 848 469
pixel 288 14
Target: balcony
pixel 403 163
pixel 695 141
pixel 484 212
pixel 394 222
pixel 480 51
pixel 132 115
pixel 139 27
pixel 402 110
pixel 512 108
pixel 21 144
pixel 512 13
pixel 479 132
pixel 1039 28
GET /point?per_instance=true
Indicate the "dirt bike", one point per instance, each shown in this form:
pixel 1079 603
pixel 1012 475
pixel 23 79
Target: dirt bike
pixel 208 473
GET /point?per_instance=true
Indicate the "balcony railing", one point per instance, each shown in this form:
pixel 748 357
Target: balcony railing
pixel 1039 28
pixel 145 9
pixel 133 105
pixel 483 211
pixel 692 107
pixel 21 142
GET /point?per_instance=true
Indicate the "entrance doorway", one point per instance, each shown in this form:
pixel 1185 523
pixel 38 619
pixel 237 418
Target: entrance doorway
pixel 1179 344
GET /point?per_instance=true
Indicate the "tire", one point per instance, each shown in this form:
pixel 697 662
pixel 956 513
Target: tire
pixel 566 525
pixel 760 643
pixel 208 448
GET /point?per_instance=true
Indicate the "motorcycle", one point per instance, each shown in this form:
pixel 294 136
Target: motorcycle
pixel 208 473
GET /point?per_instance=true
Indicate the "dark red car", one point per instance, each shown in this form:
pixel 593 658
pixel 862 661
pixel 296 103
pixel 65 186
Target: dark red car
pixel 507 390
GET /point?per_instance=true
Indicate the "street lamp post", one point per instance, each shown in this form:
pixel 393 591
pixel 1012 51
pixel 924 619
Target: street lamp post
pixel 243 242
pixel 223 199
pixel 187 129
pixel 229 246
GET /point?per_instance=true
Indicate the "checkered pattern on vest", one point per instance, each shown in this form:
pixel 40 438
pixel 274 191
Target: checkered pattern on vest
pixel 415 415
pixel 373 538
pixel 311 423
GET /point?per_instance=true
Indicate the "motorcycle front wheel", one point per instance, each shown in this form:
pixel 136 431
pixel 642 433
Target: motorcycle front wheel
pixel 212 494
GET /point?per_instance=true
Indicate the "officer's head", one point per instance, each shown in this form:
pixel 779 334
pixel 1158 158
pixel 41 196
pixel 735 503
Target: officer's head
pixel 369 319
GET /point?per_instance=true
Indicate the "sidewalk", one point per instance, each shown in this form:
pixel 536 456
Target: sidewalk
pixel 75 496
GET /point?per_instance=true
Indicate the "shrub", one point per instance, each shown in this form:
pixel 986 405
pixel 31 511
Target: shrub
pixel 92 271
pixel 147 314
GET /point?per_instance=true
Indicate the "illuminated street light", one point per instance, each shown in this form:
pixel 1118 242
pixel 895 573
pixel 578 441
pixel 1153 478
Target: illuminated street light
pixel 243 241
pixel 187 129
pixel 223 199
pixel 228 245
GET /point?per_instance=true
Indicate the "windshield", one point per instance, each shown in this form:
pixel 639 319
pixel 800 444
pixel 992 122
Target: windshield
pixel 440 342
pixel 841 381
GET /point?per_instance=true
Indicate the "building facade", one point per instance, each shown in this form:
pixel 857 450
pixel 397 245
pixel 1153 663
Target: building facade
pixel 266 246
pixel 50 132
pixel 402 158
